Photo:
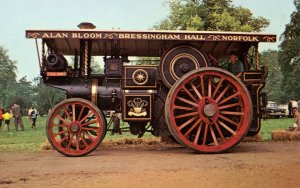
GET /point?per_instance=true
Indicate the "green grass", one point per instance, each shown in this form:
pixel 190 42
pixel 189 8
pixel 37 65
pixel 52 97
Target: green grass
pixel 29 140
pixel 270 125
pixel 32 139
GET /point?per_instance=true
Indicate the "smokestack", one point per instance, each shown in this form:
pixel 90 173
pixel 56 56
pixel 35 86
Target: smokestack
pixel 86 25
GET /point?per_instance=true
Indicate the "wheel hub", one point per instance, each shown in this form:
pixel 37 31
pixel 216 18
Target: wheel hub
pixel 74 128
pixel 185 67
pixel 209 110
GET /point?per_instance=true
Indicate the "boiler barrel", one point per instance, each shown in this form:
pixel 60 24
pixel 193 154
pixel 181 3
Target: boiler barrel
pixel 105 93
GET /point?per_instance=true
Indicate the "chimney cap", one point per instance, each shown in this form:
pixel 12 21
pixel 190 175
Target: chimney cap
pixel 86 25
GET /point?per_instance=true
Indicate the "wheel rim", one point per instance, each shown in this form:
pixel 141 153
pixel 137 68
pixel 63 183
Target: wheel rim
pixel 75 127
pixel 208 110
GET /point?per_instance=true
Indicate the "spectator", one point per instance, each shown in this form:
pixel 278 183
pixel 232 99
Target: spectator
pixel 7 116
pixel 297 118
pixel 29 114
pixel 294 105
pixel 15 109
pixel 33 115
pixel 290 109
pixel 1 118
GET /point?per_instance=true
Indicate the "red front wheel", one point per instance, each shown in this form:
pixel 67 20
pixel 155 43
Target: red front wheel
pixel 208 110
pixel 75 127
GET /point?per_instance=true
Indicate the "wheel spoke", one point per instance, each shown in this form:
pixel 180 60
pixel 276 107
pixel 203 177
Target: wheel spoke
pixel 186 115
pixel 70 141
pixel 186 123
pixel 193 127
pixel 83 140
pixel 229 106
pixel 59 125
pixel 196 91
pixel 187 101
pixel 77 142
pixel 219 131
pixel 80 114
pixel 213 135
pixel 228 98
pixel 226 127
pixel 85 117
pixel 62 119
pixel 60 141
pixel 88 135
pixel 90 128
pixel 73 112
pixel 67 113
pixel 90 122
pixel 184 108
pixel 205 134
pixel 202 85
pixel 209 88
pixel 198 133
pixel 228 120
pixel 222 94
pixel 60 133
pixel 217 88
pixel 232 113
pixel 189 93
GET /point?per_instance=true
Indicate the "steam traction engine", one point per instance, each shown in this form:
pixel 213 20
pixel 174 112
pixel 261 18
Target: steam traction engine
pixel 189 95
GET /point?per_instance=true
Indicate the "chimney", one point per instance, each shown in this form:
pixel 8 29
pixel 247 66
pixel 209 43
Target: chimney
pixel 86 25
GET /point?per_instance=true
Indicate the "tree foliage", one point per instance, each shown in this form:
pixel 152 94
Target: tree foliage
pixel 289 56
pixel 208 15
pixel 46 97
pixel 24 92
pixel 273 83
pixel 7 78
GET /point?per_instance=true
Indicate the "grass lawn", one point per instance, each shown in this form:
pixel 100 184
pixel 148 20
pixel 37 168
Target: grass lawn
pixel 270 125
pixel 32 139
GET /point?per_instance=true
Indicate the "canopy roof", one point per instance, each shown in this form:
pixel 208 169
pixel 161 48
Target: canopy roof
pixel 147 43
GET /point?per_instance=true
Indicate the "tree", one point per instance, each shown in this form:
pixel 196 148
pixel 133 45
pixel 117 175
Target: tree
pixel 273 82
pixel 209 15
pixel 289 56
pixel 24 93
pixel 46 97
pixel 7 78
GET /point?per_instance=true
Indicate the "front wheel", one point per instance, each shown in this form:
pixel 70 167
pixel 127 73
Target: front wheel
pixel 75 127
pixel 208 110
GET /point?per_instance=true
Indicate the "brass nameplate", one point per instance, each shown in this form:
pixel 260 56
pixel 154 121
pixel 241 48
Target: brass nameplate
pixel 56 74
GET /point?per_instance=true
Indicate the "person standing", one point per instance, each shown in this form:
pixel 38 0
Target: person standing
pixel 15 109
pixel 1 118
pixel 33 115
pixel 297 118
pixel 7 116
pixel 290 107
pixel 29 114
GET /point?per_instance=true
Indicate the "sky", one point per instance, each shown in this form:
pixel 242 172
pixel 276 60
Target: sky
pixel 18 16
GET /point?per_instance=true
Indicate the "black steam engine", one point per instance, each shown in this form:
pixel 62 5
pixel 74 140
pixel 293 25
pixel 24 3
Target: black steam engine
pixel 187 95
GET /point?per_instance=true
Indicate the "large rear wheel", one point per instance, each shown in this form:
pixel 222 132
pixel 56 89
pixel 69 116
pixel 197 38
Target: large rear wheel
pixel 208 110
pixel 75 127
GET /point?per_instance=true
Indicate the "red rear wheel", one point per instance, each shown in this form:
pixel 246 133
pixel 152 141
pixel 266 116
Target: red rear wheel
pixel 208 110
pixel 75 127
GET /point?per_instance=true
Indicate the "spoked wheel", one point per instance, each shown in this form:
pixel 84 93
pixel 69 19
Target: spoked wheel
pixel 75 127
pixel 208 110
